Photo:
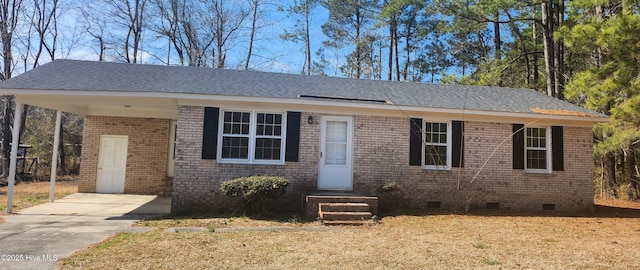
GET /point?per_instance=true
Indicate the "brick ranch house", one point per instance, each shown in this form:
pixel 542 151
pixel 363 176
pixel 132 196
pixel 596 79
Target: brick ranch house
pixel 181 131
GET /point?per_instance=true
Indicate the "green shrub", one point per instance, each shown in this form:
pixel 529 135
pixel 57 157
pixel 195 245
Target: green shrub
pixel 256 190
pixel 389 187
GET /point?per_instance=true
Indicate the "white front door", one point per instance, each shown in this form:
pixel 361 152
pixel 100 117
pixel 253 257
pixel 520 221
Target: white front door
pixel 112 164
pixel 336 151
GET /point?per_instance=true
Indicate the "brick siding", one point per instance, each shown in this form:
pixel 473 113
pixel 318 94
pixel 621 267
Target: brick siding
pixel 148 139
pixel 381 155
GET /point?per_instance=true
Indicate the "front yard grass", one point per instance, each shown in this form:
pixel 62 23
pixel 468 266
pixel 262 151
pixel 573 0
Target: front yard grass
pixel 608 239
pixel 27 194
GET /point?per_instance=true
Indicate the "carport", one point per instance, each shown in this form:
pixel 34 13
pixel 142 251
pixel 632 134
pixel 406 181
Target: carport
pixel 46 87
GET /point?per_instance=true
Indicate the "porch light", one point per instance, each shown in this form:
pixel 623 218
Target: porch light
pixel 310 120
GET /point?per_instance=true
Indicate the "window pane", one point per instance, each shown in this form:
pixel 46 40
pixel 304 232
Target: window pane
pixel 268 126
pixel 435 155
pixel 235 147
pixel 435 139
pixel 536 159
pixel 263 129
pixel 268 149
pixel 536 152
pixel 443 127
pixel 336 153
pixel 336 132
pixel 236 123
pixel 428 138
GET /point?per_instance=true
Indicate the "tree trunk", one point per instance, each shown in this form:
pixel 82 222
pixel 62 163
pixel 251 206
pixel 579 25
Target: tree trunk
pixel 558 52
pixel 6 133
pixel 396 61
pixel 392 33
pixel 536 69
pixel 547 40
pixel 496 37
pixel 630 174
pixel 358 45
pixel 7 116
pixel 253 33
pixel 609 170
pixel 307 37
pixel 61 151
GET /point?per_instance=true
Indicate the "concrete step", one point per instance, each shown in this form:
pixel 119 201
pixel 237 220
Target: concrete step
pixel 347 222
pixel 344 207
pixel 345 215
pixel 313 201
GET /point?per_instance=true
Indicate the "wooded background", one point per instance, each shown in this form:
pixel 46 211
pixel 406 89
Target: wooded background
pixel 583 51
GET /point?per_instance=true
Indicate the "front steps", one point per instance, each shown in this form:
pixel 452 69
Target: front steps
pixel 344 213
pixel 341 208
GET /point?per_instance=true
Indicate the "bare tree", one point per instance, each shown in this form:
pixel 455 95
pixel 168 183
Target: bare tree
pixel 9 19
pixel 95 26
pixel 186 24
pixel 133 13
pixel 44 21
pixel 254 18
pixel 301 31
pixel 228 20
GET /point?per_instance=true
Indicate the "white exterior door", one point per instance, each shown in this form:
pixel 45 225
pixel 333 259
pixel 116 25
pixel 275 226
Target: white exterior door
pixel 112 164
pixel 336 151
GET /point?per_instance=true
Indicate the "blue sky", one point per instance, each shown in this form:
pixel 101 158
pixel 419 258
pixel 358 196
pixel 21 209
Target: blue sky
pixel 270 52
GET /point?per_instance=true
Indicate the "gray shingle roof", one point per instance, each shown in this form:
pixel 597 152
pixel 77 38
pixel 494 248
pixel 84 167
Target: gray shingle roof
pixel 102 76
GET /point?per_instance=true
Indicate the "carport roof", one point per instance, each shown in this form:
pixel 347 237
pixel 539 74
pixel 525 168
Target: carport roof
pixel 154 81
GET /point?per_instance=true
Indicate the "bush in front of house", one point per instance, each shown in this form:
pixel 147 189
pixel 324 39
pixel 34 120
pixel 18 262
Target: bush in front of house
pixel 256 191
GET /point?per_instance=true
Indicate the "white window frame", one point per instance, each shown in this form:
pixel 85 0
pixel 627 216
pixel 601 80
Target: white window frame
pixel 547 149
pixel 447 166
pixel 252 138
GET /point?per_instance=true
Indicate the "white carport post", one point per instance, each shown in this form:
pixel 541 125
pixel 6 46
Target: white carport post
pixel 17 118
pixel 54 156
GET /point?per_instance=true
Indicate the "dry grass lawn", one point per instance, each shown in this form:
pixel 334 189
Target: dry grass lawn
pixel 27 194
pixel 607 239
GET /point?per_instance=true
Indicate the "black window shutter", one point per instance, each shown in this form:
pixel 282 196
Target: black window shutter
pixel 457 144
pixel 293 137
pixel 210 133
pixel 518 146
pixel 415 142
pixel 557 148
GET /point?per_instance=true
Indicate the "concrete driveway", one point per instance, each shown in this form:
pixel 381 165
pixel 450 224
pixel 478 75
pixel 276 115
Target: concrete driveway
pixel 38 237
